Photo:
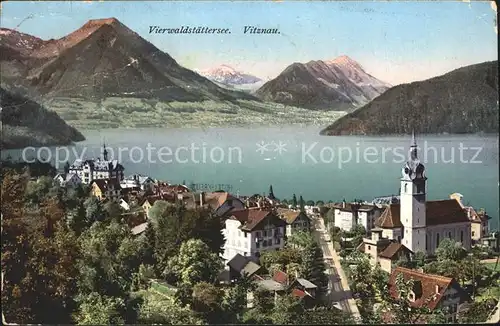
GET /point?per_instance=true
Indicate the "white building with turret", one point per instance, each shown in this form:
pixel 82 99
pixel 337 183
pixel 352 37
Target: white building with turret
pixel 415 222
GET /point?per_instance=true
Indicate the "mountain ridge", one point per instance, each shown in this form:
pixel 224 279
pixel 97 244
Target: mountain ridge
pixel 464 100
pixel 27 123
pixel 338 84
pixel 105 58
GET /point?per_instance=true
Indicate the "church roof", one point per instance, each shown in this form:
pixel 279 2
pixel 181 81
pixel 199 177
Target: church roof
pixel 438 212
pixel 390 218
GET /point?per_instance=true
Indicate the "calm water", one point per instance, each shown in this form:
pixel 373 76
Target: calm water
pixel 316 167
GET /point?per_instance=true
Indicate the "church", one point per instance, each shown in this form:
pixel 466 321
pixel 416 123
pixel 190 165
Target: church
pixel 414 222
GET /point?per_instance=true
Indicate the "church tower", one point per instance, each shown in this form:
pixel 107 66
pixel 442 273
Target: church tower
pixel 412 202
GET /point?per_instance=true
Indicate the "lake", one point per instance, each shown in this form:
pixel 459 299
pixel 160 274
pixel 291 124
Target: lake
pixel 296 160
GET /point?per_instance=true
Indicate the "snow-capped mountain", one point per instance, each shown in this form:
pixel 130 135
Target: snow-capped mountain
pixel 225 74
pixel 338 84
pixel 355 72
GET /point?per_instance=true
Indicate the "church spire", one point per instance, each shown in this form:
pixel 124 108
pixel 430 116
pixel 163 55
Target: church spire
pixel 413 151
pixel 104 151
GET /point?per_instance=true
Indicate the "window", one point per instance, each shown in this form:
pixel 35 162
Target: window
pixel 264 243
pixel 437 240
pixel 257 234
pixel 265 233
pixel 277 241
pixel 449 235
pixel 473 233
pixel 461 236
pixel 369 247
pixel 257 245
pixel 406 187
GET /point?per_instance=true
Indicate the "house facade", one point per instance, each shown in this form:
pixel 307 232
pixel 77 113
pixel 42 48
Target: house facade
pixel 89 170
pixel 142 182
pixel 106 189
pixel 348 215
pixel 249 232
pixel 68 180
pixel 431 291
pixel 296 220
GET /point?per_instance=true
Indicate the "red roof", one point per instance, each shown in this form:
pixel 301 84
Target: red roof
pixel 428 288
pixel 437 212
pixel 298 293
pixel 281 277
pixel 251 218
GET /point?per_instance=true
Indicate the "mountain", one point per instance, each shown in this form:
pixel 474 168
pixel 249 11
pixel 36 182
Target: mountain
pixel 225 74
pixel 464 100
pixel 26 123
pixel 103 58
pixel 339 84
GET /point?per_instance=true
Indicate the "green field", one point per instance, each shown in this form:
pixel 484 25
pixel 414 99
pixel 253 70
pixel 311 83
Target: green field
pixel 162 288
pixel 120 112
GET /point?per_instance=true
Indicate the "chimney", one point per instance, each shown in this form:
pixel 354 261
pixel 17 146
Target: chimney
pixel 376 235
pixel 438 289
pixel 343 203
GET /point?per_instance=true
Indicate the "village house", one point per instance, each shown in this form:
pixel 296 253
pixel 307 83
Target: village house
pixel 479 220
pixel 420 224
pixel 249 232
pixel 296 220
pixel 383 251
pixel 281 283
pixel 142 182
pixel 106 189
pixel 148 202
pixel 431 291
pixel 68 179
pixel 348 215
pixel 89 170
pixel 240 266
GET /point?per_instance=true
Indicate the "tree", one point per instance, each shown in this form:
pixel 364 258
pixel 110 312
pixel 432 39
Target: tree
pixel 301 203
pixel 300 239
pixel 324 316
pixel 282 257
pixel 113 210
pixel 94 210
pixel 320 203
pixel 147 242
pixel 451 250
pixel 287 310
pixel 110 257
pixel 235 300
pixel 194 264
pixel 310 203
pixel 313 267
pixel 330 218
pixel 294 201
pixel 477 311
pixel 271 193
pixel 66 167
pixel 38 255
pixel 207 300
pixel 157 309
pixel 99 310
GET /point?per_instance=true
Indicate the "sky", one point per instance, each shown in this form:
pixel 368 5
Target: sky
pixel 397 42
